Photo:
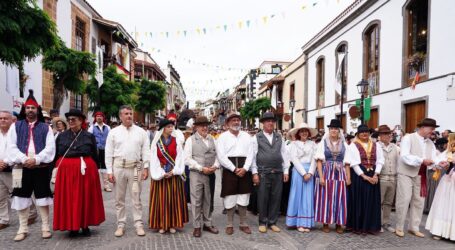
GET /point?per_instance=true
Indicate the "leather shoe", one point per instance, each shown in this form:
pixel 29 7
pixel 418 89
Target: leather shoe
pixel 275 228
pixel 20 237
pixel 262 229
pixel 229 230
pixel 197 232
pixel 211 229
pixel 245 229
pixel 31 221
pixel 3 226
pixel 325 228
pixel 417 233
pixel 119 232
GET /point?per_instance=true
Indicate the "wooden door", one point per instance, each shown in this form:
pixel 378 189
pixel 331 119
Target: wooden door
pixel 374 119
pixel 320 123
pixel 415 112
pixel 343 120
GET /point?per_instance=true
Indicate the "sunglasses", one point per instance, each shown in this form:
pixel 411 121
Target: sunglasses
pixel 72 119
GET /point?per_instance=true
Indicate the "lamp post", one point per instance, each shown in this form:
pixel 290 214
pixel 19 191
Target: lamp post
pixel 292 105
pixel 362 88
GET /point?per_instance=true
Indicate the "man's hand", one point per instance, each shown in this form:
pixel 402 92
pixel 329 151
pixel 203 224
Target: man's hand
pixel 111 178
pixel 207 170
pixel 307 177
pixel 2 165
pixel 427 162
pixel 285 178
pixel 444 165
pixel 145 174
pixel 256 179
pixel 241 172
pixel 30 163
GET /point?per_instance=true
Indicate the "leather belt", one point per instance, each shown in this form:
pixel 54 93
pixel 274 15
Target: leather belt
pixel 238 161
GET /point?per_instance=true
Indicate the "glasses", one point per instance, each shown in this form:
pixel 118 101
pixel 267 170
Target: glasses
pixel 72 119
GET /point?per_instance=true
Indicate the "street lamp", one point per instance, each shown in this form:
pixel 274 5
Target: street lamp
pixel 362 88
pixel 292 105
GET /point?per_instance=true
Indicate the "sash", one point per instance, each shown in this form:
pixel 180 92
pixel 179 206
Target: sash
pixel 170 163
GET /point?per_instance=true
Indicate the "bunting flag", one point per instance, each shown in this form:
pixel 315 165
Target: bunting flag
pixel 99 66
pixel 273 99
pixel 416 80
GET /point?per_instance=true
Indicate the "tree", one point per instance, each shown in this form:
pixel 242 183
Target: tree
pixel 68 67
pixel 254 108
pixel 25 31
pixel 115 91
pixel 151 96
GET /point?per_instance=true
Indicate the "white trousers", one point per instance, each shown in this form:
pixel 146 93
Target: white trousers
pixel 231 201
pixel 123 184
pixel 408 197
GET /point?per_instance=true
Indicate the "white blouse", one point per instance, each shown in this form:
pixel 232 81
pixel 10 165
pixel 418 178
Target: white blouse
pixel 303 152
pixel 229 145
pixel 321 156
pixel 355 161
pixel 156 171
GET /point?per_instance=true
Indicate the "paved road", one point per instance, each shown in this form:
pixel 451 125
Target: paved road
pixel 103 236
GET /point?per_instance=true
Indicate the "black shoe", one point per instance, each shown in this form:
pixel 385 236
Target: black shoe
pixel 73 234
pixel 86 232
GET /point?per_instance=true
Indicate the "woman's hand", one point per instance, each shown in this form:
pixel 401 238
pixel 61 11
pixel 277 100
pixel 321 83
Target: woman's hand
pixel 322 182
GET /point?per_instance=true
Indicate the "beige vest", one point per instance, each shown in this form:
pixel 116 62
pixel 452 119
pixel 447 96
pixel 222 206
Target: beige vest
pixel 391 158
pixel 416 149
pixel 203 155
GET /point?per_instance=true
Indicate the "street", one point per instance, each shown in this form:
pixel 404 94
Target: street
pixel 103 236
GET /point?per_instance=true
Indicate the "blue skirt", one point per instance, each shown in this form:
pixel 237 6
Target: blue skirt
pixel 301 201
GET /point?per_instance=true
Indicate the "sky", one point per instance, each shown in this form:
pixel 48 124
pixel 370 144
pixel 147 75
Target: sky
pixel 224 38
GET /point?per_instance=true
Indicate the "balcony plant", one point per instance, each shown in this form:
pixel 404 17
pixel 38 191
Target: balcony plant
pixel 416 60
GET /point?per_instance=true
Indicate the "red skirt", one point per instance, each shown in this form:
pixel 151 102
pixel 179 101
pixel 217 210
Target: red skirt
pixel 78 202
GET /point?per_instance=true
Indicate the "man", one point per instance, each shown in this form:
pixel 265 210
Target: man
pixel 388 176
pixel 234 152
pixel 270 169
pixel 200 156
pixel 445 133
pixel 5 169
pixel 151 131
pixel 54 113
pixel 100 130
pixel 31 147
pixel 417 154
pixel 127 163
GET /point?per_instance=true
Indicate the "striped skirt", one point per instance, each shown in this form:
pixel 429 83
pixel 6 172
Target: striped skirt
pixel 330 199
pixel 168 208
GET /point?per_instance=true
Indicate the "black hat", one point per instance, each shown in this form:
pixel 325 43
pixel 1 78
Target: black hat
pixel 428 122
pixel 362 129
pixel 267 116
pixel 441 141
pixel 334 123
pixel 164 123
pixel 75 112
pixel 201 120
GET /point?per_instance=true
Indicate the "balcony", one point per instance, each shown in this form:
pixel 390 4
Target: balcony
pixel 279 109
pixel 411 72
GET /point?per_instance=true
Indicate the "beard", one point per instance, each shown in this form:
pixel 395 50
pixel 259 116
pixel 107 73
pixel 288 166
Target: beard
pixel 236 128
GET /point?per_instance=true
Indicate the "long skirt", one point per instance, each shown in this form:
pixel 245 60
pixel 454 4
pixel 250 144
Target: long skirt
pixel 78 202
pixel 441 219
pixel 364 207
pixel 168 207
pixel 431 189
pixel 300 211
pixel 330 199
pixel 285 193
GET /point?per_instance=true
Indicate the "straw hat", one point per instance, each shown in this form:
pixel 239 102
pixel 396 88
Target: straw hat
pixel 294 131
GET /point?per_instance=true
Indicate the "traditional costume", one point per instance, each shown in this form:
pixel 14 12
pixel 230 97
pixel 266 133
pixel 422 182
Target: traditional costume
pixel 270 163
pixel 300 211
pixel 78 202
pixel 364 207
pixel 100 132
pixel 31 140
pixel 168 207
pixel 127 155
pixel 5 182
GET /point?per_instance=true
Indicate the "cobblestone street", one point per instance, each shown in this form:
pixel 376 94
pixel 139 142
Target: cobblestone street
pixel 103 236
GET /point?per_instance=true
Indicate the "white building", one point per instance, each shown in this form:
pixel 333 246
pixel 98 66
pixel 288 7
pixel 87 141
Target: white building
pixel 380 36
pixel 266 71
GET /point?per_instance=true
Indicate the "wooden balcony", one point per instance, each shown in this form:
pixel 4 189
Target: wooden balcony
pixel 279 109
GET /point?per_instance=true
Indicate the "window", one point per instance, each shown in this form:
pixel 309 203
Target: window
pixel 341 71
pixel 320 82
pixel 416 40
pixel 78 102
pixel 292 92
pixel 320 123
pixel 80 35
pixel 371 56
pixel 343 120
pixel 93 45
pixel 276 69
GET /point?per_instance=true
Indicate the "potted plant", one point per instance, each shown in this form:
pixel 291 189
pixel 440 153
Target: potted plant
pixel 416 60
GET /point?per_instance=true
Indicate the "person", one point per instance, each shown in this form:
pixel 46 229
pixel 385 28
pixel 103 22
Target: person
pixel 417 153
pixel 5 169
pixel 234 152
pixel 388 175
pixel 332 177
pixel 364 207
pixel 200 156
pixel 54 113
pixel 78 202
pixel 178 133
pixel 127 159
pixel 101 130
pixel 441 221
pixel 151 131
pixel 168 206
pixel 300 213
pixel 270 168
pixel 445 134
pixel 59 125
pixel 47 118
pixel 31 148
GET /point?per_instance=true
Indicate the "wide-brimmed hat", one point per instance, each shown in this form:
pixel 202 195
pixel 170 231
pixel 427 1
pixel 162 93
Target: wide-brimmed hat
pixel 335 123
pixel 384 129
pixel 201 120
pixel 46 115
pixel 58 119
pixel 294 131
pixel 267 116
pixel 75 112
pixel 164 123
pixel 232 115
pixel 362 129
pixel 428 122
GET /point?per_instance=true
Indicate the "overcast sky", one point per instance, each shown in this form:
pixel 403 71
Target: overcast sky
pixel 277 38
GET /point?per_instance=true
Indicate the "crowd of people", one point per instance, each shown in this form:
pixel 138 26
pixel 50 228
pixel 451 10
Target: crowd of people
pixel 349 181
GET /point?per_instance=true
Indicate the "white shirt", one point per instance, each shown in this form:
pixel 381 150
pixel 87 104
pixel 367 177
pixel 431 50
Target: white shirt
pixel 90 130
pixel 4 147
pixel 179 136
pixel 303 152
pixel 131 144
pixel 16 156
pixel 189 123
pixel 414 160
pixel 230 145
pixel 192 164
pixel 283 151
pixel 156 171
pixel 355 160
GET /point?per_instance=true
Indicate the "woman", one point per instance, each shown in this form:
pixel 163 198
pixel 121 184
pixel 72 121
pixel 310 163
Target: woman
pixel 441 219
pixel 364 208
pixel 168 207
pixel 300 212
pixel 78 202
pixel 332 178
pixel 59 125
